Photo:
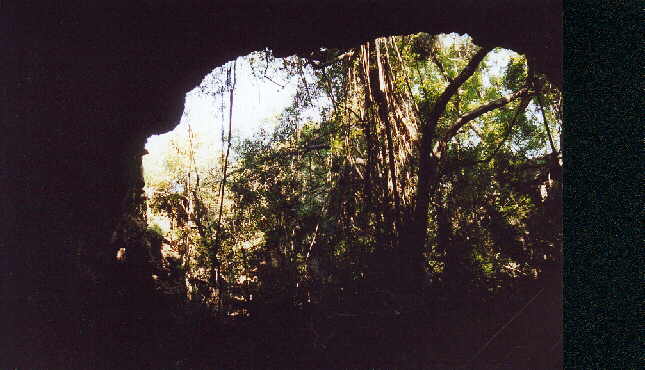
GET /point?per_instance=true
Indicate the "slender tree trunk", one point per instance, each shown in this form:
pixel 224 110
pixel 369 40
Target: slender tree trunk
pixel 215 260
pixel 228 148
pixel 546 123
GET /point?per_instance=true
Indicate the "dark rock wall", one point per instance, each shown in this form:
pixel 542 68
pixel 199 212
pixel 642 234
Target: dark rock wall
pixel 84 84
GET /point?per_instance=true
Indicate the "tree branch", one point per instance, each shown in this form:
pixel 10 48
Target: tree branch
pixel 521 108
pixel 436 61
pixel 322 64
pixel 546 123
pixel 440 146
pixel 228 148
pixel 269 78
pixel 440 105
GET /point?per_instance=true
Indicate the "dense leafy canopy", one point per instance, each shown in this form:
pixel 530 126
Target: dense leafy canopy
pixel 329 211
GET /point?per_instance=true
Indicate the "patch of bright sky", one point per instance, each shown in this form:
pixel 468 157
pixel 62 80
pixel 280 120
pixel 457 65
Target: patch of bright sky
pixel 496 60
pixel 257 104
pixel 256 101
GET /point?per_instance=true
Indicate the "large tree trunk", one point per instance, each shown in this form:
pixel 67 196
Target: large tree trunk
pixel 457 272
pixel 413 243
pixel 379 91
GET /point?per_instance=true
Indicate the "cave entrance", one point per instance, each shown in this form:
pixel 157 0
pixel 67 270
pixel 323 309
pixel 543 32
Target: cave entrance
pixel 289 185
pixel 258 117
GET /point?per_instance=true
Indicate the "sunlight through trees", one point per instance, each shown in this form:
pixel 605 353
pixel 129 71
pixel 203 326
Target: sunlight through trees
pixel 408 164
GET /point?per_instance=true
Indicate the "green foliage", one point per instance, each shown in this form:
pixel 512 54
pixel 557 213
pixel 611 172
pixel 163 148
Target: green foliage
pixel 515 73
pixel 172 204
pixel 311 208
pixel 156 229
